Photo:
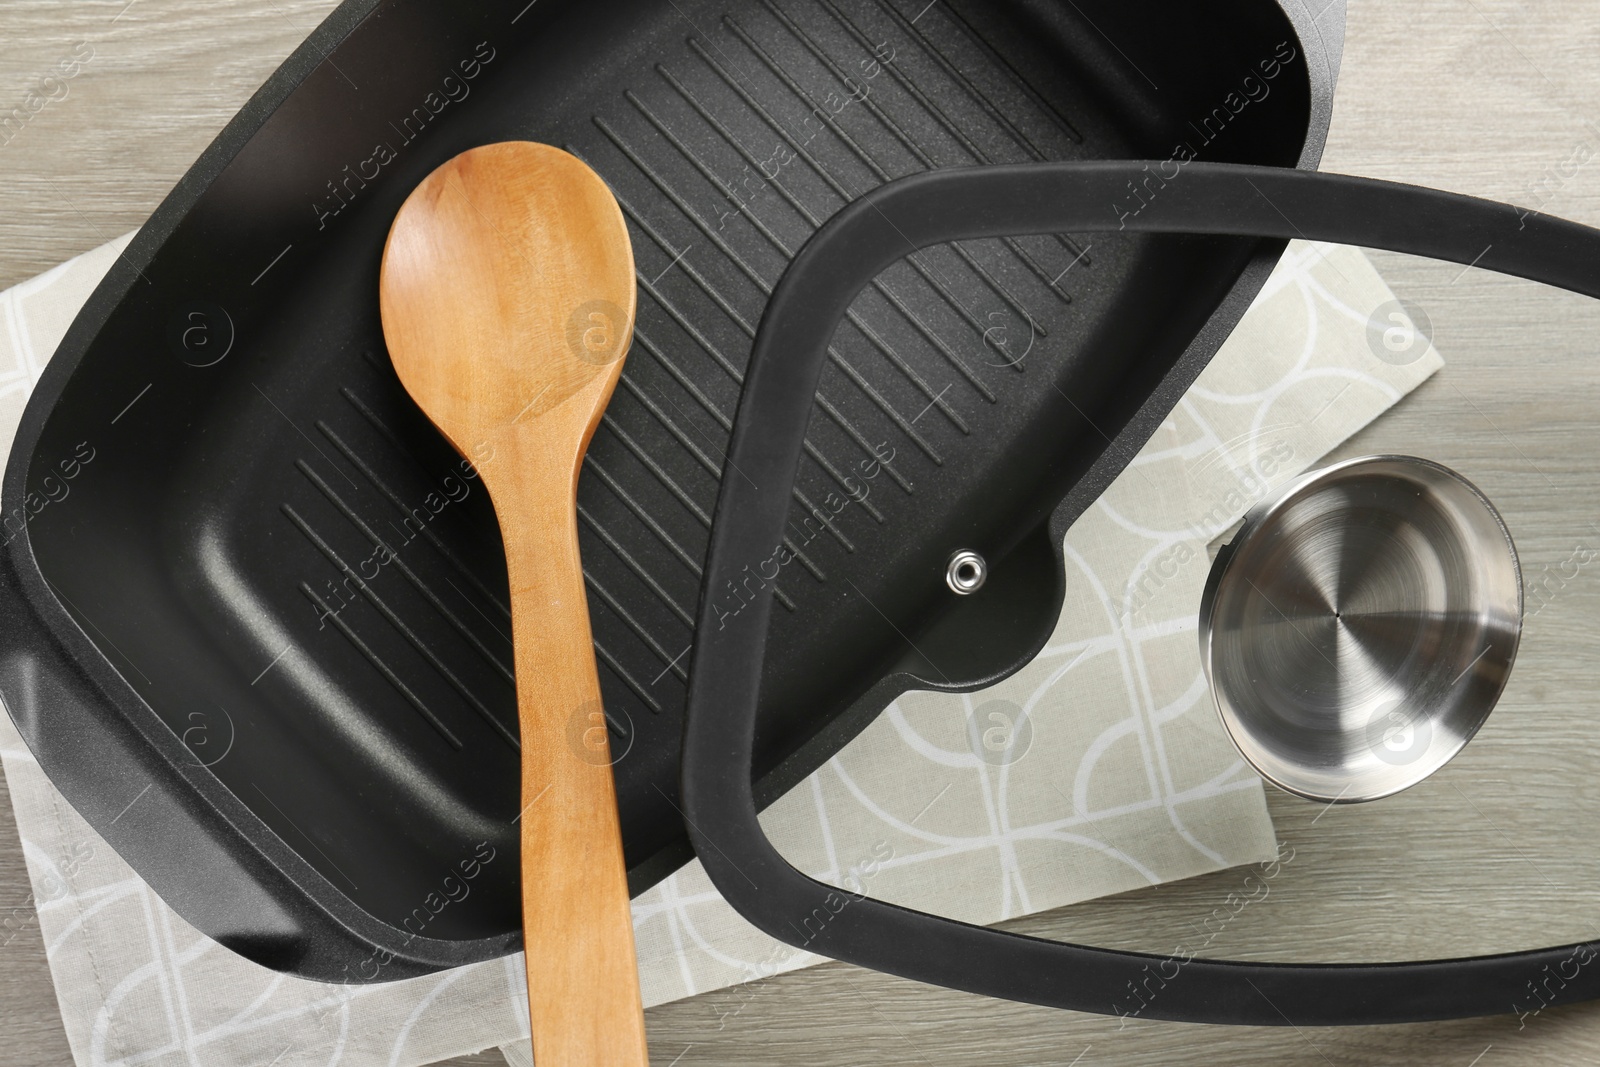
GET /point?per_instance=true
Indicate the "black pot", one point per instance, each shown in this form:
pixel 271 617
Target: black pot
pixel 201 611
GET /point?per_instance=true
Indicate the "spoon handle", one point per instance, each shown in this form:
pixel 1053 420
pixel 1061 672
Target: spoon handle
pixel 583 980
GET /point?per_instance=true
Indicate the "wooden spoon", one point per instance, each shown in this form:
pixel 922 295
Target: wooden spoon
pixel 508 299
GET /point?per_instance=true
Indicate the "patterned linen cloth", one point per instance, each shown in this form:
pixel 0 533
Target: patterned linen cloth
pixel 1099 768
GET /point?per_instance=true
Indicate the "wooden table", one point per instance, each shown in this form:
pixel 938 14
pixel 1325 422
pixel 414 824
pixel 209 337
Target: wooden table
pixel 1479 96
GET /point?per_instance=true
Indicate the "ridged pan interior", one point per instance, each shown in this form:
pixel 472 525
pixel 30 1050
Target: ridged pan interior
pixel 285 561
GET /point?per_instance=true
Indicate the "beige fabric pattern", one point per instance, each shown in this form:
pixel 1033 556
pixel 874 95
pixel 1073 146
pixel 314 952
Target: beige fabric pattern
pixel 1099 768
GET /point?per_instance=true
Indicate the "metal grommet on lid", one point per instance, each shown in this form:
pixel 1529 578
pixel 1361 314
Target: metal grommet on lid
pixel 966 572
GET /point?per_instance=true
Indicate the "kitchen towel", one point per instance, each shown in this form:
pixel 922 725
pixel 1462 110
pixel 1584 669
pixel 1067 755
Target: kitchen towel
pixel 1099 768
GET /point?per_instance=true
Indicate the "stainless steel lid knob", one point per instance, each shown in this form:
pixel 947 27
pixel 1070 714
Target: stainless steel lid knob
pixel 1361 625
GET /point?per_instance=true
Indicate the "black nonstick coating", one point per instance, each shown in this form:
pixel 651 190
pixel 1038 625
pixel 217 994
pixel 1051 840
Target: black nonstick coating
pixel 269 601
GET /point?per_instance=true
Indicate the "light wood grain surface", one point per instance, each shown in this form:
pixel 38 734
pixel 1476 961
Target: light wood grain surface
pixel 1496 852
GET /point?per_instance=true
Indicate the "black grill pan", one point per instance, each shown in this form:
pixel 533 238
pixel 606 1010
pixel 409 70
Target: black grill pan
pixel 318 742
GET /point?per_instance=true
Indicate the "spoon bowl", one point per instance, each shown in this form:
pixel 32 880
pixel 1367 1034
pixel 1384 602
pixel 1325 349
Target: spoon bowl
pixel 511 250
